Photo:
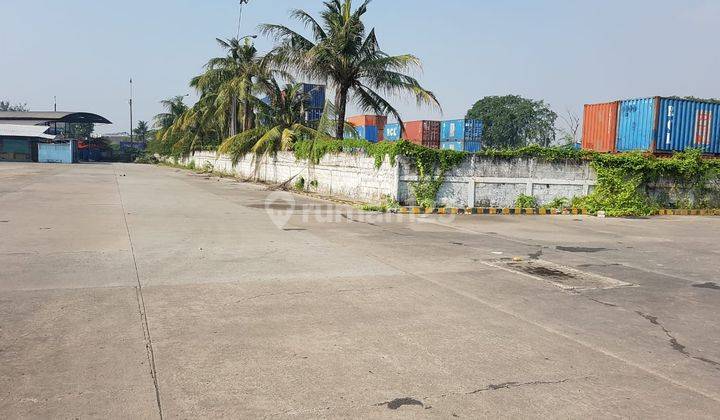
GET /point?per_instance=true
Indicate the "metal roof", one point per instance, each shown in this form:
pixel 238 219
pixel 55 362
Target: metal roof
pixel 35 131
pixel 62 117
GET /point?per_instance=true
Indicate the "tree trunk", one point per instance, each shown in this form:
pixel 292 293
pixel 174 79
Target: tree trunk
pixel 341 105
pixel 233 117
pixel 248 120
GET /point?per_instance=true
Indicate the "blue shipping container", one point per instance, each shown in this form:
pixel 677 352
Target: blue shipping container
pixel 452 145
pixel 392 132
pixel 636 124
pixel 685 124
pixel 472 146
pixel 668 125
pixel 367 132
pixel 313 114
pixel 317 95
pixel 461 146
pixel 461 130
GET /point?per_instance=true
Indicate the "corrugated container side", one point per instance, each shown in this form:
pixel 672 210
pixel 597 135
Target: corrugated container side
pixel 369 133
pixel 452 130
pixel 365 120
pixel 473 130
pixel 313 114
pixel 600 127
pixel 472 146
pixel 684 124
pixel 636 125
pixel 425 133
pixel 452 145
pixel 392 132
pixel 317 95
pixel 461 130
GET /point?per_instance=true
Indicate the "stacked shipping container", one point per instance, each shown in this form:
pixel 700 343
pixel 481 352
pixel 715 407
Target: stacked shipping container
pixel 653 124
pixel 369 127
pixel 600 127
pixel 316 101
pixel 461 135
pixel 392 132
pixel 425 133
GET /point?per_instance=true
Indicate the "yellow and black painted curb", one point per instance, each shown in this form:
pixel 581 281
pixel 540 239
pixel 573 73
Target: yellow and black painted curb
pixel 491 210
pixel 688 212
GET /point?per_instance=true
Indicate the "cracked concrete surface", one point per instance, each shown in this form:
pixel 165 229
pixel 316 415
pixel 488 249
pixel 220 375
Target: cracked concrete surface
pixel 150 286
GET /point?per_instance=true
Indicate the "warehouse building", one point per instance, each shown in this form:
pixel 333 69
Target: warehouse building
pixel 22 132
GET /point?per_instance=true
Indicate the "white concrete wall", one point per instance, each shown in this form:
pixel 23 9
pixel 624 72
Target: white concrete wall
pixel 488 182
pixel 352 176
pixel 480 182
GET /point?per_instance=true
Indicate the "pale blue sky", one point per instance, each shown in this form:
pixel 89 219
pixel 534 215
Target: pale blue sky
pixel 566 52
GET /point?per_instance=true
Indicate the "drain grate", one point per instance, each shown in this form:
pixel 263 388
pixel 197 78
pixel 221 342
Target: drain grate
pixel 561 276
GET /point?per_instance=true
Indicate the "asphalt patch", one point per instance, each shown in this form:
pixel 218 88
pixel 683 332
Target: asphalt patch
pixel 399 402
pixel 708 285
pixel 580 249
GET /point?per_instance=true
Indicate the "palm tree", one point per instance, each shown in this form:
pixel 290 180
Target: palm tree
pixel 198 128
pixel 165 123
pixel 281 124
pixel 233 78
pixel 141 131
pixel 346 55
pixel 174 108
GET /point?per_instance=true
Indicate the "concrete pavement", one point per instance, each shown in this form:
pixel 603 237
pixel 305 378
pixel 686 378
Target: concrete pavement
pixel 136 291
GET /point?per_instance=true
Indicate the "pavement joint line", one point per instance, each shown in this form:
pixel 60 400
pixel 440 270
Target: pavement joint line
pixel 141 305
pixel 549 329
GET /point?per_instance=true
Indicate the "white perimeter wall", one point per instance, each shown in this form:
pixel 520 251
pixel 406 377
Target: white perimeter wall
pixel 480 182
pixel 352 176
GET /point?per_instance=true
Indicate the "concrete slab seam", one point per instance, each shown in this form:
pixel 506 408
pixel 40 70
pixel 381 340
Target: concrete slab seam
pixel 141 306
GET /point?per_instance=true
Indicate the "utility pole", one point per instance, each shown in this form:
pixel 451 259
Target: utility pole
pixel 242 2
pixel 131 112
pixel 55 103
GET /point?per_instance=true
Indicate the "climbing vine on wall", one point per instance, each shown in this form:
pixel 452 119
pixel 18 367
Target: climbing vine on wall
pixel 622 179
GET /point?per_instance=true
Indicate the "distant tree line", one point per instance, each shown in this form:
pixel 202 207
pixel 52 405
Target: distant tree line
pixel 8 107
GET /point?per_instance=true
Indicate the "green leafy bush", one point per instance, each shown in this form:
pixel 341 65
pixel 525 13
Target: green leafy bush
pixel 300 184
pixel 525 201
pixel 558 203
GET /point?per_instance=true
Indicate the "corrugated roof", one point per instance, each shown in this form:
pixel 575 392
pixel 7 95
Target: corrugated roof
pixel 67 117
pixel 35 131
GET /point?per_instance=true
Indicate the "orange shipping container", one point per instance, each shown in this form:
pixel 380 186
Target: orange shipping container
pixel 424 133
pixel 600 127
pixel 378 121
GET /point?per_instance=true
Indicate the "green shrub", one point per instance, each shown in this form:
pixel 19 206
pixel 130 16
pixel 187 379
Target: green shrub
pixel 559 203
pixel 525 202
pixel 300 184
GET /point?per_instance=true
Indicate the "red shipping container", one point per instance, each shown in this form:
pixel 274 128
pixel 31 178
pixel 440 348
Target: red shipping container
pixel 600 127
pixel 424 133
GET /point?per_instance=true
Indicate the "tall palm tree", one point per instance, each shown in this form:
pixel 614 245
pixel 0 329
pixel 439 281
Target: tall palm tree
pixel 281 124
pixel 174 108
pixel 142 130
pixel 165 123
pixel 233 78
pixel 343 53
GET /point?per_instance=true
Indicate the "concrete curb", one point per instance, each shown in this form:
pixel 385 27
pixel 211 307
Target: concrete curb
pixel 492 210
pixel 686 212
